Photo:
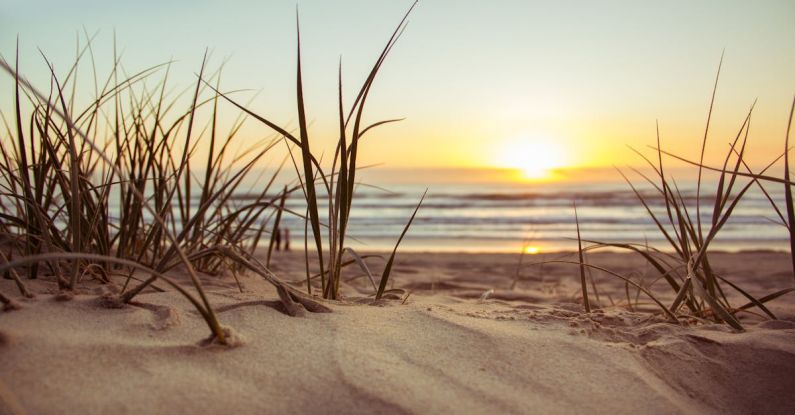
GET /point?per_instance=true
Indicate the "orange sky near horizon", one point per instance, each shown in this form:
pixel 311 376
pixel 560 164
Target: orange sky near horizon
pixel 531 86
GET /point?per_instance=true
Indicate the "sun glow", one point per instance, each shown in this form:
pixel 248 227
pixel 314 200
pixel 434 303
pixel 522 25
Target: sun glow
pixel 532 250
pixel 535 158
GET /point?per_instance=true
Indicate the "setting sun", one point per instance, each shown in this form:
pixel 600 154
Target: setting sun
pixel 534 157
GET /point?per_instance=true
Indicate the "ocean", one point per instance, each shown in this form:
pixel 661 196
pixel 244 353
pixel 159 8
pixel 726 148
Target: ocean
pixel 510 217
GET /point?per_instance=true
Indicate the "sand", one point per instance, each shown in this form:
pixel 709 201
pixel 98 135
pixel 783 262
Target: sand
pixel 447 348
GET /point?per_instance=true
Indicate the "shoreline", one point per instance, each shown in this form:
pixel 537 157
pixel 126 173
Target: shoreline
pixel 401 250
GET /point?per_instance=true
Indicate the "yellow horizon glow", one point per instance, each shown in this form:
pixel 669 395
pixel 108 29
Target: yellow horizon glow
pixel 532 250
pixel 535 158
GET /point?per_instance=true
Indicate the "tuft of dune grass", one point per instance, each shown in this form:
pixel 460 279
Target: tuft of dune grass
pixel 63 167
pixel 699 291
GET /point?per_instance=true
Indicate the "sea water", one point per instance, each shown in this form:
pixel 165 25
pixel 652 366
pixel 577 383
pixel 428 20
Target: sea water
pixel 509 217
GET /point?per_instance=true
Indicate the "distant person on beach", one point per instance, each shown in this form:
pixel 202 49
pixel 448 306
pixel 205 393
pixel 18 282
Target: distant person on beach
pixel 286 239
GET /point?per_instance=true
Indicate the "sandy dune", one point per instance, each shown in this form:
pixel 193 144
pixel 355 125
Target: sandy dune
pixel 524 350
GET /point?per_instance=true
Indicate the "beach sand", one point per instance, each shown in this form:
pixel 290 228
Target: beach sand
pixel 452 346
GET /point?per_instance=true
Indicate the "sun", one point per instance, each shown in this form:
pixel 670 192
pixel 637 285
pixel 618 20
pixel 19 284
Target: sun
pixel 535 157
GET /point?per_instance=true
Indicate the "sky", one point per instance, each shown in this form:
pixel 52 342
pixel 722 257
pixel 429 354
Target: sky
pixel 481 84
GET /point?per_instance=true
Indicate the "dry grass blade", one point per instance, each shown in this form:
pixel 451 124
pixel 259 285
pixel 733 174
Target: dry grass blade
pixel 719 310
pixel 306 156
pixel 254 265
pixel 344 264
pixel 681 295
pixel 625 279
pixel 762 177
pixel 32 259
pixel 788 190
pixel 658 264
pixel 23 289
pixel 758 303
pixel 765 299
pixel 659 225
pixel 363 265
pixel 391 260
pixel 703 147
pixel 582 263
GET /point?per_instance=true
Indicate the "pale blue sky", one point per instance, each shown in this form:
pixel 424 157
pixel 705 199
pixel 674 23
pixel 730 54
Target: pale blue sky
pixel 467 74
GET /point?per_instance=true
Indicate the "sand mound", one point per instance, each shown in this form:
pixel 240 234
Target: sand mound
pixel 444 350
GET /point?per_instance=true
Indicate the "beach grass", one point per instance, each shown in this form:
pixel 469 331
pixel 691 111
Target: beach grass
pixel 686 266
pixel 112 190
pixel 336 186
pixel 60 175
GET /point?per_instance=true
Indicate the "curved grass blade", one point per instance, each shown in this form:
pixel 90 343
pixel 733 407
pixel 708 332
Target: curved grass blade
pixel 388 267
pixel 362 265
